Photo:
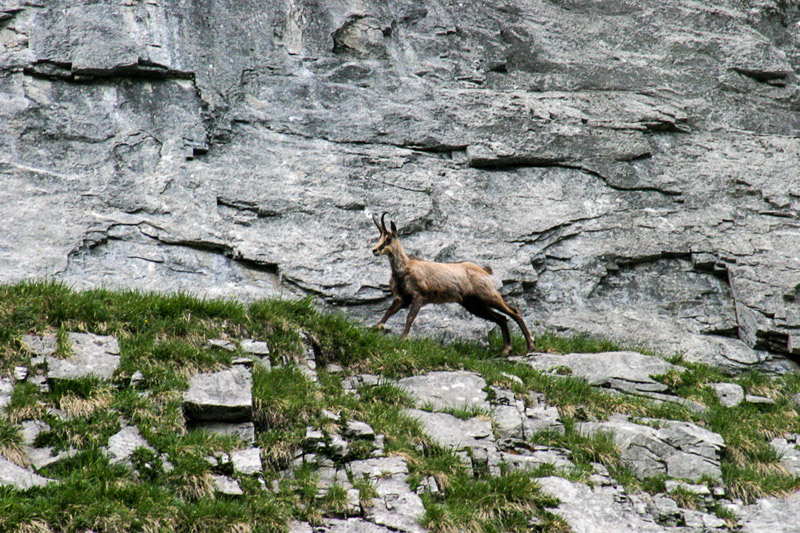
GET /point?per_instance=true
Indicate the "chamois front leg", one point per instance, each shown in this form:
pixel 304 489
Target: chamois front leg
pixel 416 305
pixel 397 304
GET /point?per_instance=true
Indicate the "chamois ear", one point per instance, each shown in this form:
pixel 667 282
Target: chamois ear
pixel 394 228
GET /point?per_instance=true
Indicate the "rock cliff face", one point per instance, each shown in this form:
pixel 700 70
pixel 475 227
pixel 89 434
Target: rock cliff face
pixel 628 168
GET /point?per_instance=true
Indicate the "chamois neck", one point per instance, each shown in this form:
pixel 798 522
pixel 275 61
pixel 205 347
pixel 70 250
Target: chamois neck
pixel 398 259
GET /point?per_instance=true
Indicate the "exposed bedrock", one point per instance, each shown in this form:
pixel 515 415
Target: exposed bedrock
pixel 628 169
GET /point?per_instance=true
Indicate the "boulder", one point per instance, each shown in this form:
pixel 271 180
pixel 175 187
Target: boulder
pixel 246 461
pixel 355 429
pixel 96 355
pixel 729 394
pixel 226 485
pixel 223 396
pixel 677 449
pixel 447 390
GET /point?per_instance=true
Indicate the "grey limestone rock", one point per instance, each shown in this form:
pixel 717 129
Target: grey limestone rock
pixel 752 398
pixel 729 394
pixel 226 485
pixel 41 345
pixel 624 371
pixel 788 449
pixel 6 389
pixel 123 443
pixel 769 515
pixel 18 477
pixel 349 525
pixel 223 396
pixel 41 457
pixel 442 390
pixel 677 449
pixel 254 347
pixel 97 355
pixel 532 457
pixel 395 507
pixel 31 430
pixel 451 432
pixel 598 509
pixel 244 430
pixel 246 461
pixel 355 429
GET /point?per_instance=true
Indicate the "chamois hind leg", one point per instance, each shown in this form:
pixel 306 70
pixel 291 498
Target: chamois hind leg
pixel 514 313
pixel 481 310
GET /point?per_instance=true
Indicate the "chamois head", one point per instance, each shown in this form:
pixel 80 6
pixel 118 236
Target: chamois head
pixel 388 240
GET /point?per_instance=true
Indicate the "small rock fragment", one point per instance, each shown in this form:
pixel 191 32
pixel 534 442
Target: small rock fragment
pixel 729 394
pixel 246 461
pixel 226 485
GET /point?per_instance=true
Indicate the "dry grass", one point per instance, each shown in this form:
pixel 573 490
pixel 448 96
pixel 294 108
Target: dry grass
pixel 75 406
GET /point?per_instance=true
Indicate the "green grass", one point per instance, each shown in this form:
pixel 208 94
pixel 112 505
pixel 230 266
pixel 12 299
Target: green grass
pixel 165 338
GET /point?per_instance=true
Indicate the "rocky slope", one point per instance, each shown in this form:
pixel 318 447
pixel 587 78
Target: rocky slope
pixel 627 168
pixel 494 442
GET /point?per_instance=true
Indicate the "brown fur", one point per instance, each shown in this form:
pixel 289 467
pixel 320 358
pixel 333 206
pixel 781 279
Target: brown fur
pixel 416 282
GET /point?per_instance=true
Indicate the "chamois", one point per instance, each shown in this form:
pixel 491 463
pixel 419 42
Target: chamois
pixel 416 282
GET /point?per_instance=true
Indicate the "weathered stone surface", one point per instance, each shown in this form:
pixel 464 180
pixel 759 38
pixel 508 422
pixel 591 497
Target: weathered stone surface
pixel 752 398
pixel 625 371
pixel 644 190
pixel 246 461
pixel 18 477
pixel 788 449
pixel 123 443
pixel 507 422
pixel 6 389
pixel 443 390
pixel 678 449
pixel 40 345
pixel 244 430
pixel 513 420
pixel 769 515
pixel 452 432
pixel 31 430
pixel 41 457
pixel 350 525
pixel 395 507
pixel 254 347
pixel 355 429
pixel 531 459
pixel 223 396
pixel 97 355
pixel 226 485
pixel 596 510
pixel 729 394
